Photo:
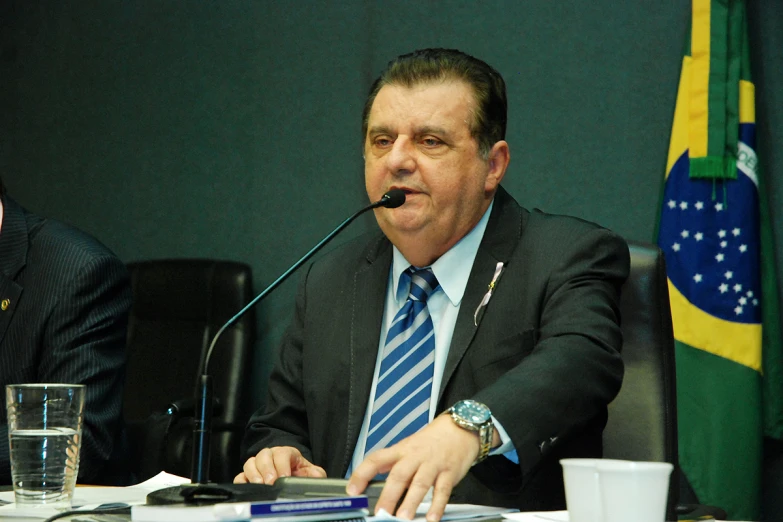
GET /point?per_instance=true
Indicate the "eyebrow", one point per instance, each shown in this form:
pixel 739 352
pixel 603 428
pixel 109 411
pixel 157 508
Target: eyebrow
pixel 382 129
pixel 432 130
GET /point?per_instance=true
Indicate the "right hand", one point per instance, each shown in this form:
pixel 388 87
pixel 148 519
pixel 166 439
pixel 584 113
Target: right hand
pixel 281 461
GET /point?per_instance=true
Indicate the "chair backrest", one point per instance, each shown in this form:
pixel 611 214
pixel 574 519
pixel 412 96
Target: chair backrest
pixel 179 304
pixel 642 421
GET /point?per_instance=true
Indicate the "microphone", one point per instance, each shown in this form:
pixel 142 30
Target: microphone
pixel 392 199
pixel 202 422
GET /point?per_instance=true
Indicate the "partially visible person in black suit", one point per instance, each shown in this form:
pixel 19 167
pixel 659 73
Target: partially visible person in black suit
pixel 64 304
pixel 514 352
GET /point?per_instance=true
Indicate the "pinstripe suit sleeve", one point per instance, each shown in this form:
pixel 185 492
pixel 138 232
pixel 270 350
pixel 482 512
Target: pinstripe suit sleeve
pixel 85 343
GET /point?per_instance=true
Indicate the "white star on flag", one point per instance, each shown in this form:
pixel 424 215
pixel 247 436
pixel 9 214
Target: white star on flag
pixel 712 267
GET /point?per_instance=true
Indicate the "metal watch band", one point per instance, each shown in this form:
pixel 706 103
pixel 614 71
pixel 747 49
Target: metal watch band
pixel 485 439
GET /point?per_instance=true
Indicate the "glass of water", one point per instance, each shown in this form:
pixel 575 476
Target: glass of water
pixel 44 435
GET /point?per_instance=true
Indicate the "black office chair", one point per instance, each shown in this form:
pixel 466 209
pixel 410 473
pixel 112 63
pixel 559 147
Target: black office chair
pixel 642 421
pixel 179 304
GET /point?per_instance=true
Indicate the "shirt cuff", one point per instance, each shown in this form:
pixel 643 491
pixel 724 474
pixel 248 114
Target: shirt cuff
pixel 506 447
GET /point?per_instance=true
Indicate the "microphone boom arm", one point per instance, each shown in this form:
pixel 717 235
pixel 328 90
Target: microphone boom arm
pixel 202 421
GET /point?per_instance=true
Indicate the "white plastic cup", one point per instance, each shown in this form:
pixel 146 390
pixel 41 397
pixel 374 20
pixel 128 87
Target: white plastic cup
pixel 634 490
pixel 44 436
pixel 582 489
pixel 606 490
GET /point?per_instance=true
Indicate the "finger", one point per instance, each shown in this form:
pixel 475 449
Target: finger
pixel 377 462
pixel 399 479
pixel 419 485
pixel 440 497
pixel 251 472
pixel 240 479
pixel 316 472
pixel 310 471
pixel 286 458
pixel 265 465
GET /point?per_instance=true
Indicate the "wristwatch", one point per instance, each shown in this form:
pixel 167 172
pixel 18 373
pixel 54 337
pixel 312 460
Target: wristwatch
pixel 474 416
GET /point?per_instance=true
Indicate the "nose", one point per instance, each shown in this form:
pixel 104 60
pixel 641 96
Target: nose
pixel 401 158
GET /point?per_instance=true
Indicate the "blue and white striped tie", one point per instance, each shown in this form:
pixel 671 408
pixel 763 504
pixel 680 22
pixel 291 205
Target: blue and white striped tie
pixel 402 397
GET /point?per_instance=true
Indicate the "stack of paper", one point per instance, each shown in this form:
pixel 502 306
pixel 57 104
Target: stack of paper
pixel 467 512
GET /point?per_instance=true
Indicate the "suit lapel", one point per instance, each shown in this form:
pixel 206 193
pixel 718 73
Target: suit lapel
pixel 9 297
pixel 369 297
pixel 13 257
pixel 500 239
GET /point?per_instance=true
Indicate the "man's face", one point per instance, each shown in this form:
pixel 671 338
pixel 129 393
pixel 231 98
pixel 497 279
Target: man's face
pixel 418 140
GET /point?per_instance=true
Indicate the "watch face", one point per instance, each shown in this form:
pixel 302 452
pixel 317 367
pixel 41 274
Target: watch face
pixel 472 411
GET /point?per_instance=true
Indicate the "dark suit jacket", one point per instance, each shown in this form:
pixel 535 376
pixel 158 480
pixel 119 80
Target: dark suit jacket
pixel 544 357
pixel 69 298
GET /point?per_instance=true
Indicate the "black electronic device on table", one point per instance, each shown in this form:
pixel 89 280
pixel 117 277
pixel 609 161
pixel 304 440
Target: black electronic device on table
pixel 290 488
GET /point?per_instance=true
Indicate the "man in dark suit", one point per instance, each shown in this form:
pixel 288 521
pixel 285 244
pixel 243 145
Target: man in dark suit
pixel 64 303
pixel 523 308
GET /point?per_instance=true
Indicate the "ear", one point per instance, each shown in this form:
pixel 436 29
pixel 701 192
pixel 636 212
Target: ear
pixel 499 156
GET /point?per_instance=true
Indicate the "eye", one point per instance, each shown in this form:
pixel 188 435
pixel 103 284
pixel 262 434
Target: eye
pixel 431 142
pixel 382 141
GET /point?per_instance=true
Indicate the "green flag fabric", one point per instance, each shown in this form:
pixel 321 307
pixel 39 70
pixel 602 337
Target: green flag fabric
pixel 714 231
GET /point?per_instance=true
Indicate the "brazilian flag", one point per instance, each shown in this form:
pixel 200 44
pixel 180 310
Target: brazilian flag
pixel 715 233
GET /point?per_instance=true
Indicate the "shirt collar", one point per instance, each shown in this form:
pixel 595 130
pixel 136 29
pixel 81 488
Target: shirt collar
pixel 452 268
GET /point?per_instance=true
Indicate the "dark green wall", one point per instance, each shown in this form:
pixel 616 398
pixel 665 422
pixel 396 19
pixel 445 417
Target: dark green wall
pixel 231 128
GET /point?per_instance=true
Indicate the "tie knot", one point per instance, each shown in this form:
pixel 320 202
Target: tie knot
pixel 423 283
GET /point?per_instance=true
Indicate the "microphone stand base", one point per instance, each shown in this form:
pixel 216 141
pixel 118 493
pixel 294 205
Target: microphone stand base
pixel 206 494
